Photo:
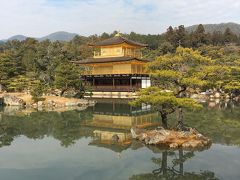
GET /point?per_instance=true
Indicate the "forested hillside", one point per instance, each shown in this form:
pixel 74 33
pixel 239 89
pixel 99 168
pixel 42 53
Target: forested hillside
pixel 210 28
pixel 23 64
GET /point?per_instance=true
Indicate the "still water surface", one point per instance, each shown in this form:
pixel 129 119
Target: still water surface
pixel 76 145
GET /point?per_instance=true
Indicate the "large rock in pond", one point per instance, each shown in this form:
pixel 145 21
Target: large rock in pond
pixel 11 100
pixel 173 139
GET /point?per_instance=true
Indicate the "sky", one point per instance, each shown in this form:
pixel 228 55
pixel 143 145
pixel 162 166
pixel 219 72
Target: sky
pixel 37 18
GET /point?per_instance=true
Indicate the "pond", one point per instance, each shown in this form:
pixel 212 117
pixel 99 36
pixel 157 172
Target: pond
pixel 76 145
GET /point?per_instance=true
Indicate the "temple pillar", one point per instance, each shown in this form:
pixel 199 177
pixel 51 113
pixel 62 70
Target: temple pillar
pixel 113 83
pixel 93 83
pixel 131 83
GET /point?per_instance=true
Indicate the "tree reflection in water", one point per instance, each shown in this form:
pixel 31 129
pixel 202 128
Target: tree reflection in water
pixel 69 126
pixel 64 126
pixel 173 168
pixel 219 121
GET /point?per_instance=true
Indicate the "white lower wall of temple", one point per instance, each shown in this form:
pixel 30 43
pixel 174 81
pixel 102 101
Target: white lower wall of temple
pixel 146 83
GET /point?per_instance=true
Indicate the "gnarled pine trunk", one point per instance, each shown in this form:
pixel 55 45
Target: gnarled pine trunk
pixel 164 120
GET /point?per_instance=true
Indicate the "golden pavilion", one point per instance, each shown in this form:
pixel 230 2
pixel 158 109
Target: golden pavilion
pixel 117 66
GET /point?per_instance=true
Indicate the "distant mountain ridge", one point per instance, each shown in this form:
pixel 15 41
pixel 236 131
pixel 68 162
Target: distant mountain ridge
pixel 17 37
pixel 66 36
pixel 57 36
pixel 210 28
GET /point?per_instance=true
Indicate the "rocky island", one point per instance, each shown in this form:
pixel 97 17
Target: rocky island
pixel 173 139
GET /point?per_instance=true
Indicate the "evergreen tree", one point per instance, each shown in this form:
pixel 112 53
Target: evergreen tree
pixel 178 73
pixel 229 36
pixel 199 36
pixel 68 77
pixel 170 35
pixel 105 35
pixel 181 36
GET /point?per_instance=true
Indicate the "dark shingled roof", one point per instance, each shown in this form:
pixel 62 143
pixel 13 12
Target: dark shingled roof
pixel 104 60
pixel 117 40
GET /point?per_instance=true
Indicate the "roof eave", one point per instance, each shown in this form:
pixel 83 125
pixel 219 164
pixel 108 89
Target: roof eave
pixel 100 45
pixel 88 61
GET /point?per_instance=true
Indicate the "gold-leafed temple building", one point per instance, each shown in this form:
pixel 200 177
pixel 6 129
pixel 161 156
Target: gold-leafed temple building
pixel 116 67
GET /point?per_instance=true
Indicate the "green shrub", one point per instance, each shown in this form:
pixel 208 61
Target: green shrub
pixel 37 93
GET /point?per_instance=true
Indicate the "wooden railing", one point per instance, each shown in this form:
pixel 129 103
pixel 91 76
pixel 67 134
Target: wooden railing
pixel 136 54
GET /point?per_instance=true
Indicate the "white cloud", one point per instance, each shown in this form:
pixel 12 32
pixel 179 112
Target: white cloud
pixel 40 17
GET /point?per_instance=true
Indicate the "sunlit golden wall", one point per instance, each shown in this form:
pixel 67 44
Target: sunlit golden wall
pixel 116 68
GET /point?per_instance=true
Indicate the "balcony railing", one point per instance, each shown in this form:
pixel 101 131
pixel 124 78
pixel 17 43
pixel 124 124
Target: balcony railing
pixel 133 54
pixel 136 54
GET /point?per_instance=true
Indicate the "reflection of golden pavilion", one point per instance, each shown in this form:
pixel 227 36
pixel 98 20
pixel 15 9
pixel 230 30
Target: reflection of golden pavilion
pixel 123 121
pixel 117 141
pixel 108 135
pixel 112 120
pixel 120 115
pixel 109 127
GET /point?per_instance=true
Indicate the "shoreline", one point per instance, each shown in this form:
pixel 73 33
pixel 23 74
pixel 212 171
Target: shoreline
pixel 24 102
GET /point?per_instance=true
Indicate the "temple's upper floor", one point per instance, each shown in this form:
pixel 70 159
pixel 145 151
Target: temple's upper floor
pixel 116 55
pixel 117 46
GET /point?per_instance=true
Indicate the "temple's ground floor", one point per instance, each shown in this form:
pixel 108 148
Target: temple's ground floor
pixel 117 83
